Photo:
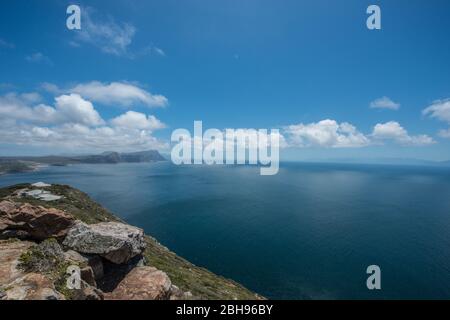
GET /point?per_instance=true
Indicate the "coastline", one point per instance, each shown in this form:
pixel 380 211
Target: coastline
pixel 198 281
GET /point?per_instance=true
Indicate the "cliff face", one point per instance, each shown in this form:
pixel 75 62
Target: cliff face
pixel 47 229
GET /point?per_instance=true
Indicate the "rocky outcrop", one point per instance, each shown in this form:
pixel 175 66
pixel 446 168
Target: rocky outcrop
pixel 10 253
pixel 109 255
pixel 35 271
pixel 16 283
pixel 116 242
pixel 32 286
pixel 142 283
pixel 35 222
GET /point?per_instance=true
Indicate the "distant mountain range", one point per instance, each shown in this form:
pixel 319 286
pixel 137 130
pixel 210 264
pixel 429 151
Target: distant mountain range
pixel 384 161
pixel 27 163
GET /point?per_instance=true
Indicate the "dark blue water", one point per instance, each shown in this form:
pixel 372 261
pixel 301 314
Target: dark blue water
pixel 308 232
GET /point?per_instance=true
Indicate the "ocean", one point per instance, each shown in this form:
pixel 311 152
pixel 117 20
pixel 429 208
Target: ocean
pixel 308 232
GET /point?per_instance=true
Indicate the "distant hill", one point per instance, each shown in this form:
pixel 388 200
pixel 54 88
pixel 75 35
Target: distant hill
pixel 105 157
pixel 16 166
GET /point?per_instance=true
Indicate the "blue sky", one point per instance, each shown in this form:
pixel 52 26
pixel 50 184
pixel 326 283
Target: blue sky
pixel 136 71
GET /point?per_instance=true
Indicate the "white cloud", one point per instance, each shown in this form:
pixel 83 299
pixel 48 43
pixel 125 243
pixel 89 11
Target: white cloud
pixel 73 108
pixel 15 107
pixel 42 132
pixel 137 120
pixel 31 97
pixel 395 132
pixel 78 138
pixel 38 57
pixel 330 134
pixel 68 109
pixel 384 103
pixel 108 35
pixel 325 133
pixel 73 124
pixel 439 110
pixel 117 93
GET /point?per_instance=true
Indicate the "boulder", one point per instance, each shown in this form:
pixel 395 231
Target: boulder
pixel 142 283
pixel 32 286
pixel 10 252
pixel 86 292
pixel 116 242
pixel 39 223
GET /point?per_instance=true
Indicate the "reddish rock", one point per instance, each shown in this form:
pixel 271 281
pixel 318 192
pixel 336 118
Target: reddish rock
pixel 142 283
pixel 32 286
pixel 38 222
pixel 10 252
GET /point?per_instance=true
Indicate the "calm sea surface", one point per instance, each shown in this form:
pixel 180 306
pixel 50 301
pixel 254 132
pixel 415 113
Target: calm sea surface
pixel 307 233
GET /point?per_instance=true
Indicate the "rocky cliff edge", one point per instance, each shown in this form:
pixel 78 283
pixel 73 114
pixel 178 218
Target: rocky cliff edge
pixel 58 244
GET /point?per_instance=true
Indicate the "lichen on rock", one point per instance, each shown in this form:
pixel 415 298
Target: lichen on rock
pixel 116 242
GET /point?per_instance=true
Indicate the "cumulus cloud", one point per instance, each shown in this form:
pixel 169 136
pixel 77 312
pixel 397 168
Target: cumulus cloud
pixel 73 108
pixel 325 133
pixel 384 103
pixel 138 120
pixel 115 93
pixel 15 107
pixel 73 123
pixel 331 134
pixel 120 93
pixel 68 108
pixel 79 138
pixel 393 131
